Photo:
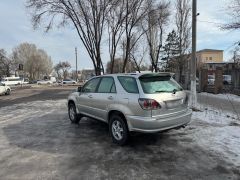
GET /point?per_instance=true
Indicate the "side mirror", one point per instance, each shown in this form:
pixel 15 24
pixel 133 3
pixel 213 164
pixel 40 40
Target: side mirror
pixel 79 89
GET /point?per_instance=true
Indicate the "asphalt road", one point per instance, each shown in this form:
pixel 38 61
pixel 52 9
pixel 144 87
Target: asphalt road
pixel 34 94
pixel 37 141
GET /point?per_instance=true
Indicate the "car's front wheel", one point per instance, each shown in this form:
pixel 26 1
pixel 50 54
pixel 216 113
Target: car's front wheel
pixel 72 113
pixel 118 130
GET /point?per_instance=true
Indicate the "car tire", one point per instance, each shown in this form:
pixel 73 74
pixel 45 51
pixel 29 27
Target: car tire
pixel 72 113
pixel 118 130
pixel 8 92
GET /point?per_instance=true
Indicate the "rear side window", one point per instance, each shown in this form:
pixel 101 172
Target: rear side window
pixel 158 84
pixel 129 84
pixel 106 85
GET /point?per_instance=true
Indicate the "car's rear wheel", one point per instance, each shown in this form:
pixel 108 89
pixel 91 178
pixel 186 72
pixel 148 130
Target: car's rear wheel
pixel 118 130
pixel 72 113
pixel 8 92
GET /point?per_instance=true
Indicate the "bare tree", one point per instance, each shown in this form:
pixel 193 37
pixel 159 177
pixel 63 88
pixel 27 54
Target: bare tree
pixel 234 12
pixel 154 26
pixel 57 69
pixel 135 12
pixel 36 62
pixel 64 67
pixel 183 29
pixel 137 55
pixel 236 56
pixel 118 66
pixel 6 64
pixel 115 20
pixel 88 17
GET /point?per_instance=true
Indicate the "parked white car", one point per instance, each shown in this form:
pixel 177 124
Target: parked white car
pixel 211 79
pixel 68 81
pixel 48 82
pixel 10 81
pixel 4 89
pixel 227 79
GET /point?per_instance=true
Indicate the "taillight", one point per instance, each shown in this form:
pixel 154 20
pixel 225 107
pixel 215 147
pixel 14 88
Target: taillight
pixel 149 104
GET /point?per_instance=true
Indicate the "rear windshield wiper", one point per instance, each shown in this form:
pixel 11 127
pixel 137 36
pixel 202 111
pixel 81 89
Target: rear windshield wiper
pixel 173 91
pixel 162 91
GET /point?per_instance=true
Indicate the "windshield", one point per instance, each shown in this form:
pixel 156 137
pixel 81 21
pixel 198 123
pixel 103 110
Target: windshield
pixel 158 84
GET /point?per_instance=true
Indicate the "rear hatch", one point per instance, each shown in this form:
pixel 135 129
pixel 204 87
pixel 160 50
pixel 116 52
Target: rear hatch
pixel 162 88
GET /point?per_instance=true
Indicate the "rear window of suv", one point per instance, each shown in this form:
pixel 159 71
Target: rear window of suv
pixel 129 84
pixel 152 84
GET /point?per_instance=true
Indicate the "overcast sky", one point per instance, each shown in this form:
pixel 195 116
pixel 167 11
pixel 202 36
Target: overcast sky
pixel 16 28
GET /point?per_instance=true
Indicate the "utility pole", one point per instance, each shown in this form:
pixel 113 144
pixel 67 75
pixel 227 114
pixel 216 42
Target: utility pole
pixel 193 62
pixel 76 64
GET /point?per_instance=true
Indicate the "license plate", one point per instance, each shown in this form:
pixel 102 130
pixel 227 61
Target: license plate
pixel 174 104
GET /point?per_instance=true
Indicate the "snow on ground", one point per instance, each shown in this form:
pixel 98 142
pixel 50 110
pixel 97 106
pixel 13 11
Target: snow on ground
pixel 229 97
pixel 218 133
pixel 17 112
pixel 214 116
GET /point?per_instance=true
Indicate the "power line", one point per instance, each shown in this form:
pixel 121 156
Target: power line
pixel 210 22
pixel 234 44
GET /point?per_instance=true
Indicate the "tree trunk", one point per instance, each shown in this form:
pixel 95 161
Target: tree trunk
pixel 126 55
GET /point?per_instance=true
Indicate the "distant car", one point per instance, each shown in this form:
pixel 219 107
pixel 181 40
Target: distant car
pixel 227 79
pixel 44 82
pixel 211 79
pixel 4 89
pixel 68 81
pixel 11 81
pixel 53 79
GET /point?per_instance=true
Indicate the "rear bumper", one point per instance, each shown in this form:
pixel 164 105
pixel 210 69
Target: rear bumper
pixel 156 124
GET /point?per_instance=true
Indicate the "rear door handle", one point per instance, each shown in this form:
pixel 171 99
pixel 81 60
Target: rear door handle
pixel 90 96
pixel 110 98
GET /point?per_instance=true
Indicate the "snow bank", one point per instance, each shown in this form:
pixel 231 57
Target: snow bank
pixel 217 132
pixel 230 97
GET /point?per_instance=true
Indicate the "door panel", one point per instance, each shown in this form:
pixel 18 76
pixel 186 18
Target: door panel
pixel 85 98
pixel 102 101
pixel 105 96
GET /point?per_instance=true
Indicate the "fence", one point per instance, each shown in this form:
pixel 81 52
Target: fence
pixel 219 86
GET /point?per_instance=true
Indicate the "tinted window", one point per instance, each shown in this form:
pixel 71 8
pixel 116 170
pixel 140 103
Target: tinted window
pixel 113 89
pixel 128 83
pixel 91 85
pixel 106 85
pixel 158 84
pixel 15 79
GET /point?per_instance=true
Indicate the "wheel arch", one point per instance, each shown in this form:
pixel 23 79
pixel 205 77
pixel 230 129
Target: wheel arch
pixel 119 113
pixel 71 102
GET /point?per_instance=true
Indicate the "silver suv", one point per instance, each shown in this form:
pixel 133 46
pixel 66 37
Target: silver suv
pixel 146 103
